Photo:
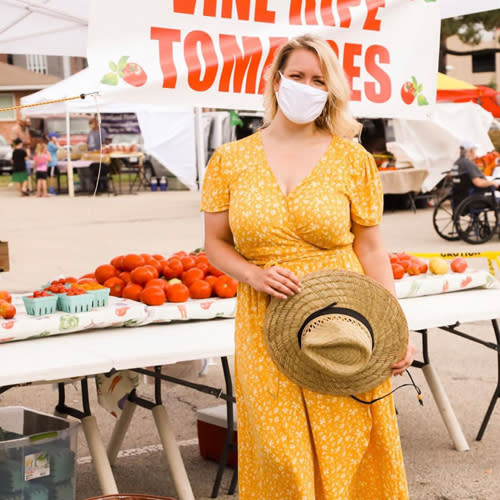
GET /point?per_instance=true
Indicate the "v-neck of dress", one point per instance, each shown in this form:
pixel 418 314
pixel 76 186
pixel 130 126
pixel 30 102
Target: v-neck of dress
pixel 308 176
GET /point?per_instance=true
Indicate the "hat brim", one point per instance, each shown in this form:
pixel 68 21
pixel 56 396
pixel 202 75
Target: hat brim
pixel 347 289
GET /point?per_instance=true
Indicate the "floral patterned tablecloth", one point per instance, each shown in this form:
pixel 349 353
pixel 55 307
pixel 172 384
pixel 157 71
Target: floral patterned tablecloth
pixel 433 284
pixel 119 312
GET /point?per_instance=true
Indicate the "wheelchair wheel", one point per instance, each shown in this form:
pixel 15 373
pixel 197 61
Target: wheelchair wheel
pixel 442 220
pixel 476 219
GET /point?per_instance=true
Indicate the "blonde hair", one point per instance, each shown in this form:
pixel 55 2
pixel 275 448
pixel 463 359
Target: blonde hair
pixel 335 116
pixel 40 148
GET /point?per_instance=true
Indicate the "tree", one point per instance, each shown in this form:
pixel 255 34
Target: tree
pixel 469 29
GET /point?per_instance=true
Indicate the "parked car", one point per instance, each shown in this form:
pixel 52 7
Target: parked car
pixel 5 156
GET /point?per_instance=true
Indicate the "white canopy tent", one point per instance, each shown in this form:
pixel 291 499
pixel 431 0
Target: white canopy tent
pixel 433 144
pixel 59 27
pixel 168 136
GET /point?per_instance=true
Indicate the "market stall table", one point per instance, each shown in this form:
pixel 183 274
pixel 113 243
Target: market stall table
pixel 105 350
pixel 403 181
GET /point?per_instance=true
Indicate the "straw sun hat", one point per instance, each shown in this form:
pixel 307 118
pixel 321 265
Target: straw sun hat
pixel 339 335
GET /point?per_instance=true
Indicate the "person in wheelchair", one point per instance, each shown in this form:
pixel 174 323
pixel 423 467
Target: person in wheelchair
pixel 467 172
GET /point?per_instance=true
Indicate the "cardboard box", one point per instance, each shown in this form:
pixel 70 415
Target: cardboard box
pixel 4 256
pixel 37 455
pixel 212 429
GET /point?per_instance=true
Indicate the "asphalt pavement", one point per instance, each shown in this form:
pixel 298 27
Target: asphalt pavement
pixel 58 235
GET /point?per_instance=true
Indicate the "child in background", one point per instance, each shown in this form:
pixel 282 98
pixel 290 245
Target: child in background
pixel 52 148
pixel 19 173
pixel 41 165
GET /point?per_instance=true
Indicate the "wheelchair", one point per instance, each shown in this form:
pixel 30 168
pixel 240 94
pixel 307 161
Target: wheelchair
pixel 466 212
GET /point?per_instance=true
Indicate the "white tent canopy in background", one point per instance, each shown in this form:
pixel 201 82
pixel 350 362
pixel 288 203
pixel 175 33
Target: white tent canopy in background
pixel 59 27
pixel 168 136
pixel 434 143
pixel 48 27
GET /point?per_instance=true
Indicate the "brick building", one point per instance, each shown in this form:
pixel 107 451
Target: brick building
pixel 24 74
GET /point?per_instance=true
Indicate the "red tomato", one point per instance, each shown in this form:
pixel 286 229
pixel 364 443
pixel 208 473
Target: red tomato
pixel 188 262
pixel 200 289
pixel 153 296
pixel 177 292
pixel 413 269
pixel 173 269
pixel 192 275
pixel 104 272
pixel 132 291
pixel 117 262
pixel 163 284
pixel 142 274
pixel 125 276
pixel 214 271
pixel 131 261
pixel 115 285
pixel 153 269
pixel 398 271
pixel 225 286
pixel 458 265
pixel 5 295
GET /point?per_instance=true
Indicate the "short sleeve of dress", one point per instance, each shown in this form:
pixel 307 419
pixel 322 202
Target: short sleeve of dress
pixel 215 189
pixel 366 195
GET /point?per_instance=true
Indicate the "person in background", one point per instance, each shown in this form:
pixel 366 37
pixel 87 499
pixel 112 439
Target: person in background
pixel 19 171
pixel 465 165
pixel 95 139
pixel 95 136
pixel 52 148
pixel 21 131
pixel 41 160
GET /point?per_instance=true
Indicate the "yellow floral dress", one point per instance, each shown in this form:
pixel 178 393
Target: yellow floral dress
pixel 295 444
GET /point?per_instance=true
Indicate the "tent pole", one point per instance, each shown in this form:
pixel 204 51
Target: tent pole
pixel 71 186
pixel 200 145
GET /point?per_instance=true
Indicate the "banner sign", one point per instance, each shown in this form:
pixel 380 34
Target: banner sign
pixel 120 123
pixel 213 53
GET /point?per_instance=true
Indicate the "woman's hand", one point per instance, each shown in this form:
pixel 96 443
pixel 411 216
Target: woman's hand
pixel 400 367
pixel 275 281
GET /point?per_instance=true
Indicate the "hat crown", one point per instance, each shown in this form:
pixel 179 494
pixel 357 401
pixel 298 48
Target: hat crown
pixel 337 344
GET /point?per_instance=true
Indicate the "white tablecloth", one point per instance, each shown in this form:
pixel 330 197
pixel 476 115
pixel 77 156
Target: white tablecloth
pixel 99 351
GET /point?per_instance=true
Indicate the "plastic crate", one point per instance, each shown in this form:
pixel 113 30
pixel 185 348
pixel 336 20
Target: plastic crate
pixel 41 305
pixel 75 303
pixel 40 463
pixel 99 297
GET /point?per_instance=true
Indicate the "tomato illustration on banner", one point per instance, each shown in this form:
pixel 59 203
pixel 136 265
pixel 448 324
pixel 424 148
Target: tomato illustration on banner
pixel 131 72
pixel 411 90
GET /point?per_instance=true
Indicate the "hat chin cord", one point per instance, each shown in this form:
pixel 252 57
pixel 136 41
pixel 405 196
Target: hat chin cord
pixel 417 389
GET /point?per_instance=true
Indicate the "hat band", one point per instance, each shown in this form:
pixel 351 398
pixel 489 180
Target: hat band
pixel 331 309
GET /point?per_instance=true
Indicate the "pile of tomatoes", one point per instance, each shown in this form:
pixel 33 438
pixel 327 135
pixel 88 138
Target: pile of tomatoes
pixel 403 263
pixel 155 279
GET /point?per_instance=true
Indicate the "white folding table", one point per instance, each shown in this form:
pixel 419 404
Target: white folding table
pixel 102 351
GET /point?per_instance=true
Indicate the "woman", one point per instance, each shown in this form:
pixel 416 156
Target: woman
pixel 297 197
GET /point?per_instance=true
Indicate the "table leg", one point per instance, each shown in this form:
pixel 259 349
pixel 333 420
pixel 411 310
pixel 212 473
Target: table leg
pixel 99 457
pixel 445 408
pixel 496 394
pixel 440 397
pixel 120 430
pixel 174 458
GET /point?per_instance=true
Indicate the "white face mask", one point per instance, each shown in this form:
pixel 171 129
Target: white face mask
pixel 300 103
